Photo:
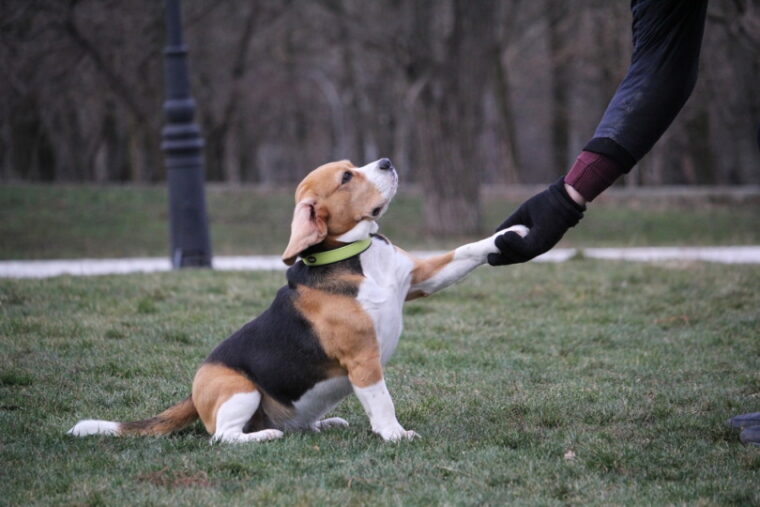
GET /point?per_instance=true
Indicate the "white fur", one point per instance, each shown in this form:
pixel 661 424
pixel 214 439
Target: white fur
pixel 378 405
pixel 233 415
pixel 383 292
pixel 519 229
pixel 94 427
pixel 360 231
pixel 385 180
pixel 386 183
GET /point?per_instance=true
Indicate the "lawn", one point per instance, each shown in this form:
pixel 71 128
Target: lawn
pixel 587 382
pixel 54 222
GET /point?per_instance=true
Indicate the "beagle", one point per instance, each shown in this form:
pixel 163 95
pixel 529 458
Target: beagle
pixel 328 332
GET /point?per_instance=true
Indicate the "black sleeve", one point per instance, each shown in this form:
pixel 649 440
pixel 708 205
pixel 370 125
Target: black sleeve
pixel 667 36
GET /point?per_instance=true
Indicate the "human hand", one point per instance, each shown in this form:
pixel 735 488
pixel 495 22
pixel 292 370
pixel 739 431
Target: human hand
pixel 548 215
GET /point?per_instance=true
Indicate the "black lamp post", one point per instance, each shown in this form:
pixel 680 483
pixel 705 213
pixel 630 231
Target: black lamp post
pixel 183 146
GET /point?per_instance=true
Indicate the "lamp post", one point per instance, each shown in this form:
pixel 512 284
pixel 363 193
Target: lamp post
pixel 183 147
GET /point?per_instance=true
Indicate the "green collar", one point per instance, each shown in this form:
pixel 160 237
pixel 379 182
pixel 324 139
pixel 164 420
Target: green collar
pixel 337 255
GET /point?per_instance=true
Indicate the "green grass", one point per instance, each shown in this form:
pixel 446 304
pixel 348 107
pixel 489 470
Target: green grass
pixel 632 367
pixel 39 222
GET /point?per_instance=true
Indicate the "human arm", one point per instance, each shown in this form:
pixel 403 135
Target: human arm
pixel 667 36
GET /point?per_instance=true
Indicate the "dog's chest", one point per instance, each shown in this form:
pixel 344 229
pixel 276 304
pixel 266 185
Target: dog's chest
pixel 382 294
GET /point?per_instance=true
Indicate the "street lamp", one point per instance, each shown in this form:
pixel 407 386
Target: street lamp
pixel 183 146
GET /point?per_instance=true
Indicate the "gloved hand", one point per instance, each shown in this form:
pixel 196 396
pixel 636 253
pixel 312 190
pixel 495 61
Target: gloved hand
pixel 548 215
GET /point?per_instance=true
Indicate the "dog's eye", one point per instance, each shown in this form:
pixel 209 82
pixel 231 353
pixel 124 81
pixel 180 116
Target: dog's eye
pixel 377 211
pixel 346 177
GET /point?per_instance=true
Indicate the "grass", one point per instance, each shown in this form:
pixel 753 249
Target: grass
pixel 46 222
pixel 588 382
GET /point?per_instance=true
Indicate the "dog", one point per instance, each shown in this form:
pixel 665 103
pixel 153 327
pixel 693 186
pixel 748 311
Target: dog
pixel 328 332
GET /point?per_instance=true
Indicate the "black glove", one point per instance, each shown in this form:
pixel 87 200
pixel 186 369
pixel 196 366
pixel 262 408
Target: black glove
pixel 548 215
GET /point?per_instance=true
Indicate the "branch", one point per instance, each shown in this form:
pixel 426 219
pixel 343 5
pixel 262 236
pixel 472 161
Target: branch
pixel 115 81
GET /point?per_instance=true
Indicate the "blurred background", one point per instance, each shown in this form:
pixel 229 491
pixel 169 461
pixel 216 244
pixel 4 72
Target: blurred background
pixel 462 95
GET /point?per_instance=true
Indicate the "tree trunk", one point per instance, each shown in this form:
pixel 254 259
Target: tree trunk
pixel 451 117
pixel 137 169
pixel 449 176
pixel 560 83
pixel 232 169
pixel 504 98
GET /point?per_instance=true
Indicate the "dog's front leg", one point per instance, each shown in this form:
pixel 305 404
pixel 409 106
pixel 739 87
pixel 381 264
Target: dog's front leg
pixel 378 405
pixel 436 273
pixel 369 386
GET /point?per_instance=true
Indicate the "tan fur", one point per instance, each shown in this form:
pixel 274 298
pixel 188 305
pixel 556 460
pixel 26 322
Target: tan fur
pixel 424 269
pixel 307 228
pixel 345 332
pixel 171 419
pixel 213 385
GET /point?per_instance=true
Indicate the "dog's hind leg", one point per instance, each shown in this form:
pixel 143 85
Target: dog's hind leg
pixel 226 400
pixel 232 416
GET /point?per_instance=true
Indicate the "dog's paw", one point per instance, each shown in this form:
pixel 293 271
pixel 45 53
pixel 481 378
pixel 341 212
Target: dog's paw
pixel 330 423
pixel 236 436
pixel 264 435
pixel 521 230
pixel 411 435
pixel 481 249
pixel 397 434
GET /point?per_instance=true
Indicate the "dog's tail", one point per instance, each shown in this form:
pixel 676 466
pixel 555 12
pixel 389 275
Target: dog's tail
pixel 172 419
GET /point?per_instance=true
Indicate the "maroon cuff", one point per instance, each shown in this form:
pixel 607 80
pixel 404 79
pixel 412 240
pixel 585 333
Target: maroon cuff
pixel 592 173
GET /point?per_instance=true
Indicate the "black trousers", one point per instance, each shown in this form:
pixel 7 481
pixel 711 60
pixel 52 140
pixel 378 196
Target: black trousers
pixel 667 37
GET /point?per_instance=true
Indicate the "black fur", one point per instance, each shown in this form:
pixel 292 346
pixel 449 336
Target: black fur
pixel 324 277
pixel 279 350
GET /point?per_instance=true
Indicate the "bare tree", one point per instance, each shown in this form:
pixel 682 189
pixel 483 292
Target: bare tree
pixel 459 93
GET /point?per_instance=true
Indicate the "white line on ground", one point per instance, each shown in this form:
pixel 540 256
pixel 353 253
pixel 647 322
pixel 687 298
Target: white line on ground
pixel 91 267
pixel 724 255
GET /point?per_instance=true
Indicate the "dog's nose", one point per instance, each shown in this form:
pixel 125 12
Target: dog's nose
pixel 385 164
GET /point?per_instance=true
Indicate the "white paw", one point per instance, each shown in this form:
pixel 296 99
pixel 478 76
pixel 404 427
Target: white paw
pixel 264 435
pixel 329 423
pixel 236 436
pixel 519 229
pixel 397 434
pixel 482 248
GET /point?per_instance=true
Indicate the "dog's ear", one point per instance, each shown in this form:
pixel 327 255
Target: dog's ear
pixel 308 228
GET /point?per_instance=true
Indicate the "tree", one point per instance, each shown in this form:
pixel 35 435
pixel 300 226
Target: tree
pixel 450 109
pixel 458 93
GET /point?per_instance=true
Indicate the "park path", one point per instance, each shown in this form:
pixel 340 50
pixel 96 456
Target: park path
pixel 91 267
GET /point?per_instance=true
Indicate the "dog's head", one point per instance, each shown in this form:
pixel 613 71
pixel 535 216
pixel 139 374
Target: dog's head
pixel 340 203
